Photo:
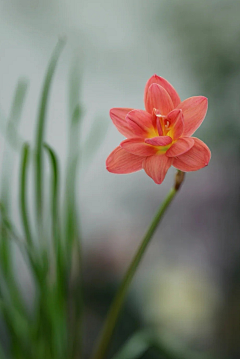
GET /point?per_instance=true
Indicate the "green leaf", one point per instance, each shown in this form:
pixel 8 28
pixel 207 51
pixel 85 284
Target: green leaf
pixel 72 235
pixel 7 165
pixel 71 176
pixel 18 328
pixel 56 231
pixel 28 252
pixel 23 193
pixel 72 232
pixel 8 126
pixel 54 190
pixel 75 116
pixel 15 114
pixel 13 139
pixel 41 129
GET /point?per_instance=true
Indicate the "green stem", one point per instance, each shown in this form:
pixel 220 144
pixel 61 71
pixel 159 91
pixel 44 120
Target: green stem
pixel 117 304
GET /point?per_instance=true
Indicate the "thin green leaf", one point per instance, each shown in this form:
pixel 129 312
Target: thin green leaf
pixel 75 116
pixel 11 290
pixel 56 232
pixel 54 190
pixel 58 295
pixel 41 129
pixel 9 126
pixel 7 166
pixel 28 252
pixel 18 329
pixel 72 234
pixel 72 167
pixel 15 114
pixel 5 252
pixel 23 193
pixel 13 139
pixel 5 247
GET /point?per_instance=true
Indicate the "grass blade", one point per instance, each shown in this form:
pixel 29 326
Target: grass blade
pixel 54 193
pixel 13 139
pixel 56 232
pixel 9 126
pixel 15 114
pixel 23 193
pixel 72 234
pixel 41 127
pixel 7 165
pixel 73 159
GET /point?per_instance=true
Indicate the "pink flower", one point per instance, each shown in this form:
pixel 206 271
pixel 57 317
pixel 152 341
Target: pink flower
pixel 160 136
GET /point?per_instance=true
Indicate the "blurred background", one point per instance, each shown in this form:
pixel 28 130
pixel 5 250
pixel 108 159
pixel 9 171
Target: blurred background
pixel 187 288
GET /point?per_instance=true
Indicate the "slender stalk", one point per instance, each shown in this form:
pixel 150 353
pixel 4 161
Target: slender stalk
pixel 23 193
pixel 54 196
pixel 72 228
pixel 12 140
pixel 115 309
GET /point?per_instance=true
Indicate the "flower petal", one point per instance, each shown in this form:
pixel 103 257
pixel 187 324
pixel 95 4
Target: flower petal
pixel 158 98
pixel 140 123
pixel 175 118
pixel 138 147
pixel 156 167
pixel 181 146
pixel 118 116
pixel 166 85
pixel 194 159
pixel 159 141
pixel 121 161
pixel 194 111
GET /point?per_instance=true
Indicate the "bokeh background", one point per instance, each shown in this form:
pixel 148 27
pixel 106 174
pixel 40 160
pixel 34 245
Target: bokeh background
pixel 187 288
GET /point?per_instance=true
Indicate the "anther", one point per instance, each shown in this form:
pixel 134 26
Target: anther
pixel 158 114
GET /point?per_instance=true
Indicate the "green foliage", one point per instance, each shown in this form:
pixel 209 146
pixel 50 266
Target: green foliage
pixel 45 329
pixel 40 130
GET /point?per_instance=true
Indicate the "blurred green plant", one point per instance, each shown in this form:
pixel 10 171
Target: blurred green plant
pixel 45 330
